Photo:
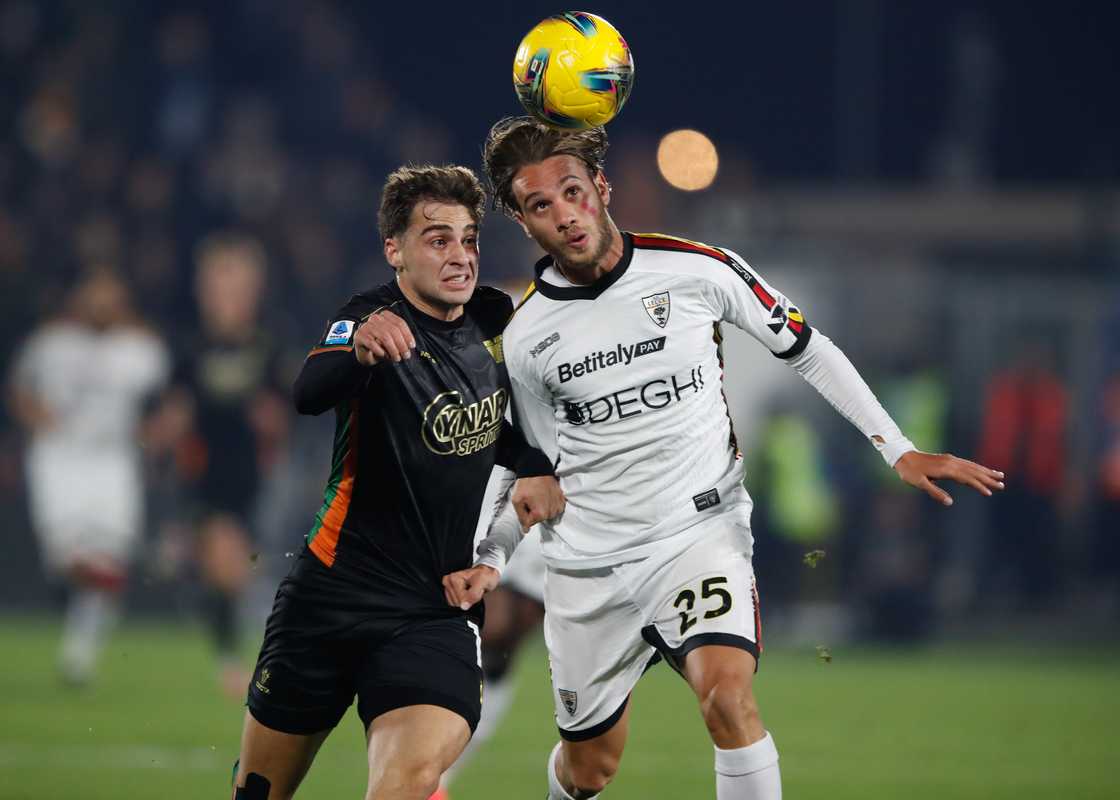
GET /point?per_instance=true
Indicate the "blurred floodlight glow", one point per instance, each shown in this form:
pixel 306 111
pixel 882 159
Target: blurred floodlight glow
pixel 687 160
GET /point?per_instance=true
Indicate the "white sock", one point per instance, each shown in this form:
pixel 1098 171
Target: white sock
pixel 89 617
pixel 555 790
pixel 496 700
pixel 749 773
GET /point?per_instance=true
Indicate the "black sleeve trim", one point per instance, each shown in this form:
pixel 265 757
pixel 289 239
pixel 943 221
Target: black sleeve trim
pixel 798 346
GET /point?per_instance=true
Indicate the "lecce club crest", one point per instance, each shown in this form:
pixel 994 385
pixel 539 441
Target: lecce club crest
pixel 657 306
pixel 570 700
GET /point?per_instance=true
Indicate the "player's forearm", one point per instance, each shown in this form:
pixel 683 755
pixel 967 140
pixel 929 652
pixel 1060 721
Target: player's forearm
pixel 504 533
pixel 326 380
pixel 830 372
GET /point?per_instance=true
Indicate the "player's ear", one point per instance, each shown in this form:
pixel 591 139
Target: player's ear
pixel 603 188
pixel 521 221
pixel 393 253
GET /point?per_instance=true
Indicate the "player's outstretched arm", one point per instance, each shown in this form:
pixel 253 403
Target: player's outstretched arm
pixel 922 469
pixel 332 373
pixel 531 500
pixel 824 366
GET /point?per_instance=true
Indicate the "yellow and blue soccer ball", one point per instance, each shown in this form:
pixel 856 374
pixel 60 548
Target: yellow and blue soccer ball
pixel 573 70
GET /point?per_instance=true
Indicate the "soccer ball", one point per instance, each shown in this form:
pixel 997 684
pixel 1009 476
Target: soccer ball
pixel 573 70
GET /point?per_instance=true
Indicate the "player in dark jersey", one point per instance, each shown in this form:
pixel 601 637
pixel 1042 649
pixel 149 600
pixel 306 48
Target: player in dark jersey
pixel 228 377
pixel 414 372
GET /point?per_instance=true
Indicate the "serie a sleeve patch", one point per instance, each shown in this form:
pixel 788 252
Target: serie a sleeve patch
pixel 339 333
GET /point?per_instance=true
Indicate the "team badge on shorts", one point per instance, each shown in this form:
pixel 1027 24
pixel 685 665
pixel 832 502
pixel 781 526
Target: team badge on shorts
pixel 569 699
pixel 657 306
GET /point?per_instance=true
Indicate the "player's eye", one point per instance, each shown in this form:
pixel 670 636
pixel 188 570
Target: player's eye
pixel 438 242
pixel 471 241
pixel 572 191
pixel 540 205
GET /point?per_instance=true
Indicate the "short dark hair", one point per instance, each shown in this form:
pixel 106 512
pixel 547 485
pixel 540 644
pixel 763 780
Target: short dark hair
pixel 408 185
pixel 515 142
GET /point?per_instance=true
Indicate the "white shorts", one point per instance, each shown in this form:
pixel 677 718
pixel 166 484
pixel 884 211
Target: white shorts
pixel 604 627
pixel 84 505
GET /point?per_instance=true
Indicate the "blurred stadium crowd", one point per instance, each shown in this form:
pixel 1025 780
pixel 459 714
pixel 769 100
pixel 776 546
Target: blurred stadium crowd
pixel 145 144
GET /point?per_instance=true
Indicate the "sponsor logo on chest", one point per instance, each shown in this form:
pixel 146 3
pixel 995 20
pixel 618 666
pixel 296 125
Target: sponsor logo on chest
pixel 603 359
pixel 650 396
pixel 451 428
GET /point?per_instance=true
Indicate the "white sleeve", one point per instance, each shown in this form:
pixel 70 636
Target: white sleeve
pixel 534 415
pixel 150 363
pixel 830 372
pixel 504 533
pixel 738 295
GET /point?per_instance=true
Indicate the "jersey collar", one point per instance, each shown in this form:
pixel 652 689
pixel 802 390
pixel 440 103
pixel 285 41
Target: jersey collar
pixel 589 291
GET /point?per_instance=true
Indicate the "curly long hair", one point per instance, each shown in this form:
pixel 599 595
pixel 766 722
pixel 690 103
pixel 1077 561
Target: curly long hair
pixel 514 142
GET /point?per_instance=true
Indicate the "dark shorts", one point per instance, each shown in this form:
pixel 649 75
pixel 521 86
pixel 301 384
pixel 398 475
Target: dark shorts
pixel 322 647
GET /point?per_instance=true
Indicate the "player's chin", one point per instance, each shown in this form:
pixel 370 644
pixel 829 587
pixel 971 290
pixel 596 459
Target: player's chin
pixel 585 250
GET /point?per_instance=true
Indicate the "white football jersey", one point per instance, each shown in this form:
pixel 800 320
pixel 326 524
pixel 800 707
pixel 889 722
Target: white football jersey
pixel 620 383
pixel 94 383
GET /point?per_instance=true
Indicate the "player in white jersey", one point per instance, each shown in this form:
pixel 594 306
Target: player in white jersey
pixel 78 388
pixel 614 362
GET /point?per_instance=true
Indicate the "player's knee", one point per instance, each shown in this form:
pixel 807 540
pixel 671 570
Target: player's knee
pixel 410 779
pixel 591 772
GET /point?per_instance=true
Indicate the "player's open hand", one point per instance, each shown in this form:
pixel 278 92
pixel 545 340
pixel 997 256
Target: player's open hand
pixel 383 337
pixel 467 586
pixel 922 469
pixel 537 499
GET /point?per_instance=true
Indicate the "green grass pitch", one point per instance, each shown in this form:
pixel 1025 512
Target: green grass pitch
pixel 962 721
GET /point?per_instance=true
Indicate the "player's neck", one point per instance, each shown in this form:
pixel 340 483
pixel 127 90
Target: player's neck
pixel 585 274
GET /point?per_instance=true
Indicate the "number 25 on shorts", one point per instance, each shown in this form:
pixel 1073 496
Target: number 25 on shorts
pixel 715 599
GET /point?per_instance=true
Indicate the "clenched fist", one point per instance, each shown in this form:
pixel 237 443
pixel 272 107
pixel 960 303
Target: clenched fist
pixel 383 336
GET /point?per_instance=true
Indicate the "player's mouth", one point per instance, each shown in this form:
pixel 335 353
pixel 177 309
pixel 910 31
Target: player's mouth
pixel 577 242
pixel 460 281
